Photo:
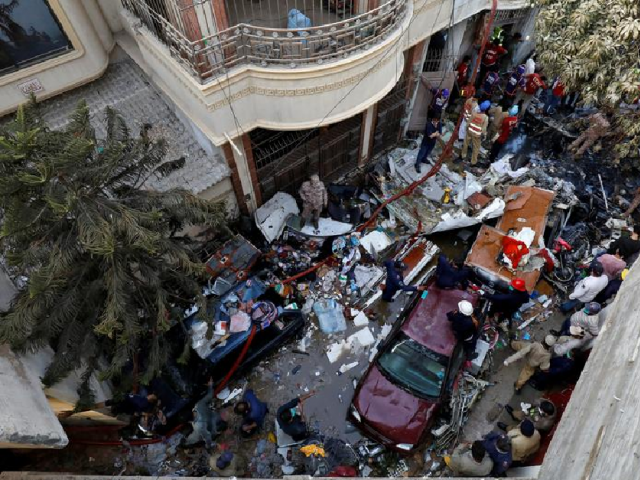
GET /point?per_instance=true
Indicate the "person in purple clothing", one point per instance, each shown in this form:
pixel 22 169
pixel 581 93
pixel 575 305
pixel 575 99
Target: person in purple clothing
pixel 253 412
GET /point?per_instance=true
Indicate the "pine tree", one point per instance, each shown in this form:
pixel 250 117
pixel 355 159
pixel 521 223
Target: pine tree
pixel 593 46
pixel 103 255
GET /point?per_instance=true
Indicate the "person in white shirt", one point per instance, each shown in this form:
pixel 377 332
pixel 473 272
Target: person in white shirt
pixel 586 289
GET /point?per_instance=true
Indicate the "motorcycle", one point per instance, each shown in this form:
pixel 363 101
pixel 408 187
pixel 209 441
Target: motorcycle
pixel 569 251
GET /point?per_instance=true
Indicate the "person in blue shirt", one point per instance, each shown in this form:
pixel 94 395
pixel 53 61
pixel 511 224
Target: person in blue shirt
pixel 395 280
pixel 439 102
pixel 498 447
pixel 253 412
pixel 432 133
pixel 451 275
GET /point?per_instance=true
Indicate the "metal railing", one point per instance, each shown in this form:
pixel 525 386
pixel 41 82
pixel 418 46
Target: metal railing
pixel 439 61
pixel 194 40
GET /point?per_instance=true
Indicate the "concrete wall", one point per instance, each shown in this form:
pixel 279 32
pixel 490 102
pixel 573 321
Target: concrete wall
pixel 84 25
pixel 26 420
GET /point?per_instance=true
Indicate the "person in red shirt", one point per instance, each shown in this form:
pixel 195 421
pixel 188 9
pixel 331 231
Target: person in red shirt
pixel 557 93
pixel 492 53
pixel 463 71
pixel 532 83
pixel 508 124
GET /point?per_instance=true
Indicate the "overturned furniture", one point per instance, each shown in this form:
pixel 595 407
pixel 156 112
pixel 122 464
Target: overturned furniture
pixel 527 208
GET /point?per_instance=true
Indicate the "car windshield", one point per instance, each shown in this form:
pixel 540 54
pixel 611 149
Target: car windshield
pixel 415 367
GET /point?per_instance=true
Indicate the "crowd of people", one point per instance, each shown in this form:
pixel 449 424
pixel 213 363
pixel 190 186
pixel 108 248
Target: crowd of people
pixel 546 362
pixel 499 98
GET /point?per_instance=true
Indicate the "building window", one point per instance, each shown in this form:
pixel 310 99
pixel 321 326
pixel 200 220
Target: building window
pixel 29 33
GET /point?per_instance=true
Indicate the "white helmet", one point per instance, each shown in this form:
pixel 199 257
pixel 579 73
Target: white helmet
pixel 465 307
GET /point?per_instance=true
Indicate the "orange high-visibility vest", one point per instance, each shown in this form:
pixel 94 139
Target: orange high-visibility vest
pixel 475 125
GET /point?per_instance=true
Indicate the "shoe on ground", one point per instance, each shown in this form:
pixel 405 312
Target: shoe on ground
pixel 555 333
pixel 502 426
pixel 509 410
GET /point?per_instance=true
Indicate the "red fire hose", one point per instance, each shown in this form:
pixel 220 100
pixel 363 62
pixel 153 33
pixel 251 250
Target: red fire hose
pixel 445 152
pixel 409 190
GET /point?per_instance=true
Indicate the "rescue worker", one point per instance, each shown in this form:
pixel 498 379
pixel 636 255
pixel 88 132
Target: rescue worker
pixel 470 460
pixel 508 124
pixel 542 413
pixel 432 132
pixel 498 447
pixel 496 116
pixel 476 131
pixel 536 355
pixel 450 275
pixel 395 280
pixel 439 102
pixel 465 327
pixel 511 87
pixel 506 304
pixel 314 200
pixel 525 441
pixel 598 127
pixel 462 74
pixel 532 83
pixel 553 100
pixel 492 52
pixel 468 109
pixel 491 82
pixel 586 289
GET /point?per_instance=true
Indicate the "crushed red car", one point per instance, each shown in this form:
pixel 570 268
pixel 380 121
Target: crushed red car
pixel 398 398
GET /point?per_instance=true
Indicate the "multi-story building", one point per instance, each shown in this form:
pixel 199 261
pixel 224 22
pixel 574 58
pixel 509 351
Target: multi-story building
pixel 253 104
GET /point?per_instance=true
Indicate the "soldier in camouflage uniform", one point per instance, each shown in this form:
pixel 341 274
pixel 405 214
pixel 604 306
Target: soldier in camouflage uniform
pixel 314 199
pixel 598 127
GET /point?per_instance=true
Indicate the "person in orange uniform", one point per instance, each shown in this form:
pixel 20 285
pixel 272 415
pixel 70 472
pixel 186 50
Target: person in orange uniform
pixel 476 130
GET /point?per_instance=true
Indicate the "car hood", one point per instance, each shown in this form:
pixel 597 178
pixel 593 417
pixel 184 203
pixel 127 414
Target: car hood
pixel 395 413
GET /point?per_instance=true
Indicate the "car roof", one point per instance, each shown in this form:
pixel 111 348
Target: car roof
pixel 427 323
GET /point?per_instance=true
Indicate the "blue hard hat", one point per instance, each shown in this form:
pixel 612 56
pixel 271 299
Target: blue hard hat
pixel 521 69
pixel 484 106
pixel 513 111
pixel 445 92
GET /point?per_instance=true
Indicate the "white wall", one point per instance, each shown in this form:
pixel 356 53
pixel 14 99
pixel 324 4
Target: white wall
pixel 86 62
pixel 294 99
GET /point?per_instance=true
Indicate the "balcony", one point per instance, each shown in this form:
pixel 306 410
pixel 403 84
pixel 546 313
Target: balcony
pixel 199 35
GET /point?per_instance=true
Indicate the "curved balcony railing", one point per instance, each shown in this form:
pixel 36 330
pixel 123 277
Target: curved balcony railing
pixel 212 55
